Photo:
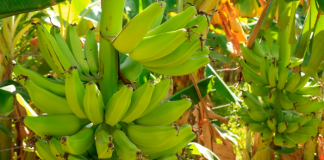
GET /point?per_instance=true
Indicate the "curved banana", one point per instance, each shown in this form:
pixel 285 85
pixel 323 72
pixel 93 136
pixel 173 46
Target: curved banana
pixel 158 21
pixel 172 157
pixel 264 70
pixel 282 77
pixel 282 126
pixel 184 131
pixel 174 23
pixel 299 138
pixel 250 75
pixel 310 90
pixel 126 150
pixel 57 125
pixel 159 92
pixel 299 99
pixel 75 93
pixel 257 49
pixel 43 150
pixel 56 148
pixel 273 74
pixel 177 57
pixel 45 100
pixel 91 52
pixel 260 90
pixel 278 140
pixel 185 68
pixel 249 56
pixel 285 102
pixel 288 142
pixel 272 124
pixel 292 82
pixel 166 113
pixel 141 23
pixel 302 82
pixel 54 86
pixel 79 142
pixel 258 115
pixel 292 127
pixel 312 108
pixel 157 46
pixel 74 43
pixel 266 135
pixel 93 103
pixel 256 127
pixel 118 105
pixel 139 102
pixel 131 69
pixel 308 130
pixel 103 142
pixel 199 53
pixel 150 136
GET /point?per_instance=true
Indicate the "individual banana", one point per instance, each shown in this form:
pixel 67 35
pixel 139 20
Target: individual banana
pixel 141 23
pixel 266 135
pixel 76 157
pixel 174 23
pixel 292 82
pixel 258 50
pixel 178 56
pixel 118 105
pixel 166 113
pixel 158 46
pixel 57 125
pixel 285 102
pixel 184 131
pixel 103 142
pixel 312 108
pixel 282 126
pixel 175 149
pixel 44 100
pixel 125 149
pixel 75 92
pixel 299 99
pixel 310 90
pixel 260 90
pixel 264 70
pixel 278 140
pixel 54 86
pixel 79 142
pixel 292 127
pixel 56 148
pixel 250 75
pixel 273 74
pixel 139 102
pixel 249 56
pixel 91 52
pixel 288 142
pixel 302 82
pixel 313 122
pixel 308 130
pixel 150 136
pixel 272 124
pixel 158 21
pixel 93 103
pixel 160 91
pixel 74 43
pixel 258 115
pixel 199 53
pixel 55 32
pixel 299 138
pixel 256 127
pixel 185 68
pixel 131 69
pixel 43 150
pixel 282 77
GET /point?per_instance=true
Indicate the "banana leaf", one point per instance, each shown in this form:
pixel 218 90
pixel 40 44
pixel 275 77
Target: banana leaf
pixel 205 86
pixel 195 149
pixel 13 7
pixel 6 100
pixel 221 86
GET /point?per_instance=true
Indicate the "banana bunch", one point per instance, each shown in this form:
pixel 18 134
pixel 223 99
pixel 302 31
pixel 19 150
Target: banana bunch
pixel 167 48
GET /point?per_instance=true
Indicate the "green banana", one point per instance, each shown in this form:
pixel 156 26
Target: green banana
pixel 139 102
pixel 258 115
pixel 57 125
pixel 292 82
pixel 159 93
pixel 76 157
pixel 273 74
pixel 157 46
pixel 43 150
pixel 150 136
pixel 288 142
pixel 175 149
pixel 302 82
pixel 285 102
pixel 282 77
pixel 103 142
pixel 310 90
pixel 175 23
pixel 307 106
pixel 250 75
pixel 118 105
pixel 308 130
pixel 299 99
pixel 313 122
pixel 257 49
pixel 158 21
pixel 125 149
pixel 185 68
pixel 131 69
pixel 74 43
pixel 282 126
pixel 79 142
pixel 272 124
pixel 287 116
pixel 93 103
pixel 172 157
pixel 278 140
pixel 46 101
pixel 312 108
pixel 91 52
pixel 54 86
pixel 299 138
pixel 292 127
pixel 184 131
pixel 249 56
pixel 177 57
pixel 166 113
pixel 266 135
pixel 256 127
pixel 55 32
pixel 141 23
pixel 75 93
pixel 264 70
pixel 260 90
pixel 199 53
pixel 56 148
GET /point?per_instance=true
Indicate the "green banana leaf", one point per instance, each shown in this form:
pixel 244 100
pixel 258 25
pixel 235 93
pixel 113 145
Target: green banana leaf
pixel 205 86
pixel 221 86
pixel 13 7
pixel 320 4
pixel 195 149
pixel 6 100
